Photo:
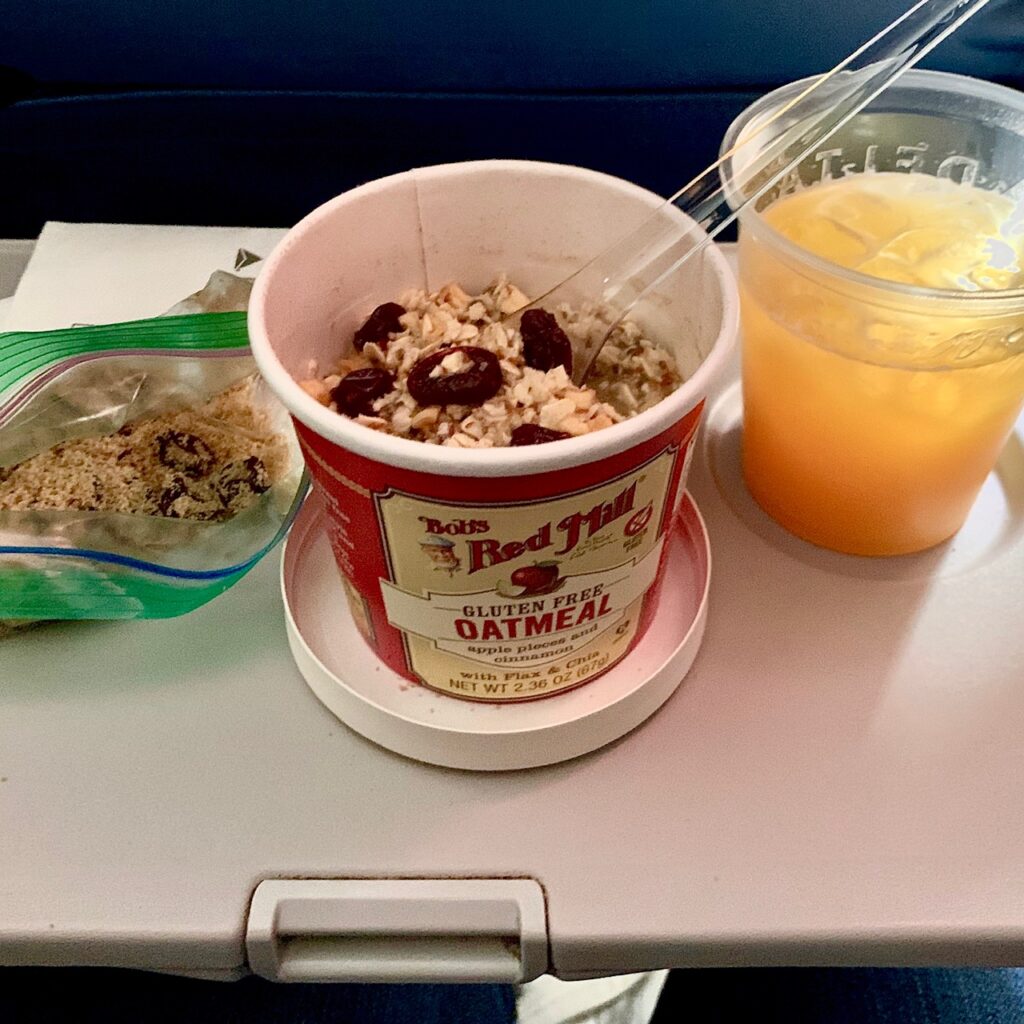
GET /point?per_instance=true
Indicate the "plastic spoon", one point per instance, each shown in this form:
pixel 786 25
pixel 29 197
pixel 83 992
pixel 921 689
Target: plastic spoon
pixel 629 269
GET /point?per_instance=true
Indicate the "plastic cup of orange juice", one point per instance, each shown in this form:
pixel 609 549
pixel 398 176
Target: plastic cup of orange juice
pixel 882 308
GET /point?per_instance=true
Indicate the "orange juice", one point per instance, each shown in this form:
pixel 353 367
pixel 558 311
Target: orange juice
pixel 880 379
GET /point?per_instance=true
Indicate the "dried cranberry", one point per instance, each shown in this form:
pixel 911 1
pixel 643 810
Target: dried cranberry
pixel 169 495
pixel 357 391
pixel 530 433
pixel 178 449
pixel 247 475
pixel 379 324
pixel 473 386
pixel 545 344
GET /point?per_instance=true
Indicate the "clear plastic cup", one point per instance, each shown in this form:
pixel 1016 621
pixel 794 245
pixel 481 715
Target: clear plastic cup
pixel 875 409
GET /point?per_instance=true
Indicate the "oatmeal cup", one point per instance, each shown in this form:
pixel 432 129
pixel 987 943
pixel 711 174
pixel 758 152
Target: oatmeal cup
pixel 479 565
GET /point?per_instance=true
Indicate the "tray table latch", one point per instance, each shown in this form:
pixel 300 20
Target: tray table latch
pixel 398 930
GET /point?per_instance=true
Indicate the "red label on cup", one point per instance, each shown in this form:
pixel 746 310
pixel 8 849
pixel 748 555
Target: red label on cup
pixel 502 588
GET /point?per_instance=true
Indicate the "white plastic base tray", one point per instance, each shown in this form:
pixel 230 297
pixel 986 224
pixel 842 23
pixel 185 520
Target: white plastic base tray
pixel 376 702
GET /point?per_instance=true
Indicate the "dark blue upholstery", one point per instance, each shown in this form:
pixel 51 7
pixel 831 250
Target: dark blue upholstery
pixel 252 112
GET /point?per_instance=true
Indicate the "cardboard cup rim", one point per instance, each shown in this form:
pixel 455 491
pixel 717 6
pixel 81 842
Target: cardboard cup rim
pixel 486 462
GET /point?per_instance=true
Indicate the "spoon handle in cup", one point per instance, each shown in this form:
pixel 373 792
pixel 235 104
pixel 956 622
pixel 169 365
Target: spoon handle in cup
pixel 634 266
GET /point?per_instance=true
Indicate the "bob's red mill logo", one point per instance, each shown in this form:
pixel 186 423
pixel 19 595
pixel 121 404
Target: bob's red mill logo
pixel 567 532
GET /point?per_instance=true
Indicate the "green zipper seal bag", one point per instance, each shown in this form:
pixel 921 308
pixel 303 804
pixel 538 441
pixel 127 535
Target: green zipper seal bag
pixel 90 382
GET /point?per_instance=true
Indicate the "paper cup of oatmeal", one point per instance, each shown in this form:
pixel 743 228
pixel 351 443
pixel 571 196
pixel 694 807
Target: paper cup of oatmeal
pixel 499 530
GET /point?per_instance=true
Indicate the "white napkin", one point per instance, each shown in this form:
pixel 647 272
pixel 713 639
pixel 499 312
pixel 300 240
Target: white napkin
pixel 104 273
pixel 625 999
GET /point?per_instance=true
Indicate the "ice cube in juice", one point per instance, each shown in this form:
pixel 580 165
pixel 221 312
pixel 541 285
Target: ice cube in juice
pixel 873 414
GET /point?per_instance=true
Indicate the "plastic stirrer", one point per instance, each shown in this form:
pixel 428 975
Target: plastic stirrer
pixel 629 269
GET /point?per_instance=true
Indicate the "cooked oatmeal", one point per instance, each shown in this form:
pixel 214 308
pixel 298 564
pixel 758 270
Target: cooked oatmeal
pixel 441 368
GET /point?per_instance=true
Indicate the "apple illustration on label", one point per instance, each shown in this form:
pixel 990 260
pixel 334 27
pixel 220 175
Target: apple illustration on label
pixel 539 578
